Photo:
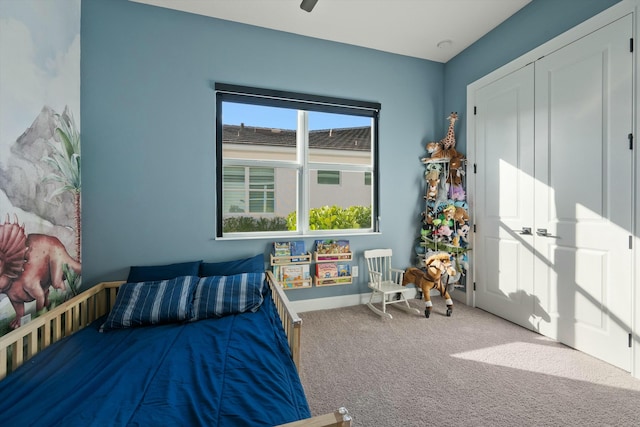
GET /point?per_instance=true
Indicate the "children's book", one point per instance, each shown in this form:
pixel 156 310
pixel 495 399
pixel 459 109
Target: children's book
pixel 326 270
pixel 297 248
pixel 343 269
pixel 295 276
pixel 281 249
pixel 343 246
pixel 323 246
pixel 333 249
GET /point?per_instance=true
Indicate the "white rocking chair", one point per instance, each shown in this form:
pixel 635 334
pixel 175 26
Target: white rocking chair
pixel 386 282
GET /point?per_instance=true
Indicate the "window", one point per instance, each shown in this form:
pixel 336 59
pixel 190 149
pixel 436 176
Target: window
pixel 329 177
pixel 246 183
pixel 294 164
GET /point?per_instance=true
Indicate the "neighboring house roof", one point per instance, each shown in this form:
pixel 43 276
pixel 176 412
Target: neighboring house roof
pixel 353 139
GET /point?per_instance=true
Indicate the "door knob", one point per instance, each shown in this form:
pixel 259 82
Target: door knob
pixel 526 231
pixel 543 232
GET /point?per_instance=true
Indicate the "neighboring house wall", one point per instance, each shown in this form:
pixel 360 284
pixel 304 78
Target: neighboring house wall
pixel 352 189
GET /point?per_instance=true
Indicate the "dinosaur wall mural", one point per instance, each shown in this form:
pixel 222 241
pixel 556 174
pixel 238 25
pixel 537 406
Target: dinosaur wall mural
pixel 40 190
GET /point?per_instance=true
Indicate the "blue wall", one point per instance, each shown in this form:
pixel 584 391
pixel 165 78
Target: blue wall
pixel 532 26
pixel 148 122
pixel 148 126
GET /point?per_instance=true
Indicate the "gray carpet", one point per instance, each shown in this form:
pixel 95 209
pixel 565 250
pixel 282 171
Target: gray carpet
pixel 471 369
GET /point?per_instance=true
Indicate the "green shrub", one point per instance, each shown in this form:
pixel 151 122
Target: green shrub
pixel 324 218
pixel 335 218
pixel 246 224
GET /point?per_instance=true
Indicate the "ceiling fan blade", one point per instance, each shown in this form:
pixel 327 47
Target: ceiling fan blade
pixel 308 5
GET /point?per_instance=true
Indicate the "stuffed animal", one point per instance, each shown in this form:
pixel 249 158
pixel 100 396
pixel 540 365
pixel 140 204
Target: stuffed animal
pixel 449 212
pixel 432 191
pixel 456 192
pixel 436 265
pixel 445 148
pixel 443 193
pixel 433 171
pixel 427 219
pixel 444 231
pixel 461 216
pixel 435 150
pixel 455 170
pixel 463 232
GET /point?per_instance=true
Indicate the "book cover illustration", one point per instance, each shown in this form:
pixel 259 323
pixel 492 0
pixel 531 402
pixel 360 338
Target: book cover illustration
pixel 343 269
pixel 295 276
pixel 297 248
pixel 281 249
pixel 333 249
pixel 327 270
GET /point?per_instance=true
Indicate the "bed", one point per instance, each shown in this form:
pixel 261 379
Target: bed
pixel 120 354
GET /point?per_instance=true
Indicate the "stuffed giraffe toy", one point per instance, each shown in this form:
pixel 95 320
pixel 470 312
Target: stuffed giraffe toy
pixel 445 148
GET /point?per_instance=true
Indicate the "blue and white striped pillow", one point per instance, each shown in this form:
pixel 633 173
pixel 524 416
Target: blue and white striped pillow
pixel 218 296
pixel 149 303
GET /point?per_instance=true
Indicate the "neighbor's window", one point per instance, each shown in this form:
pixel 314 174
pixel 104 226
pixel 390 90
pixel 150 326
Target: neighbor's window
pixel 248 189
pixel 367 178
pixel 329 177
pixel 290 163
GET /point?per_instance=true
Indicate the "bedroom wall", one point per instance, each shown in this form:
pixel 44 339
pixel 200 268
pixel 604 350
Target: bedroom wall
pixel 148 131
pixel 533 25
pixel 148 122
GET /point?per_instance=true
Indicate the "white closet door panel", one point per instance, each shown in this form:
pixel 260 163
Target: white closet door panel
pixel 583 193
pixel 504 197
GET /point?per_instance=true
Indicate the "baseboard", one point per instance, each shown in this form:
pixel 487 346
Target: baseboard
pixel 314 304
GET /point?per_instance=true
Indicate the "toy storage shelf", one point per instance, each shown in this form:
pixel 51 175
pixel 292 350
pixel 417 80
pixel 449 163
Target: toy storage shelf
pixel 441 232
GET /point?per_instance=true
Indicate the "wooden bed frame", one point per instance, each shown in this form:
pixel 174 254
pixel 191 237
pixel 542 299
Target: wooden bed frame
pixel 18 346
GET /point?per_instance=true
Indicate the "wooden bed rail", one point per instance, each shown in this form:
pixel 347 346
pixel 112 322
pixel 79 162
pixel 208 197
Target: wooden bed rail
pixel 18 346
pixel 291 322
pixel 338 418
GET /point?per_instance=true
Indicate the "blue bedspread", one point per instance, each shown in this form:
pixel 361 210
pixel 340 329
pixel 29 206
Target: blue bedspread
pixel 233 371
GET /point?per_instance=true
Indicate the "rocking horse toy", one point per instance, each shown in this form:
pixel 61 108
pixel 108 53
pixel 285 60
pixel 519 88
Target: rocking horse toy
pixel 436 266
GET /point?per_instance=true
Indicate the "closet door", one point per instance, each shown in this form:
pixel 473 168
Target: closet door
pixel 503 199
pixel 583 193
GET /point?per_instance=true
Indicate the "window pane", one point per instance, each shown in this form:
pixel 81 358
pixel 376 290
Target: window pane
pixel 257 132
pixel 339 138
pixel 251 202
pixel 347 207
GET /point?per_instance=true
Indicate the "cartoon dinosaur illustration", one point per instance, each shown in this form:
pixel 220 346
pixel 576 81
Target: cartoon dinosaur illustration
pixel 29 266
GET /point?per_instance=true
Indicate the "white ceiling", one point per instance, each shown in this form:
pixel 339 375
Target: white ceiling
pixel 406 27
